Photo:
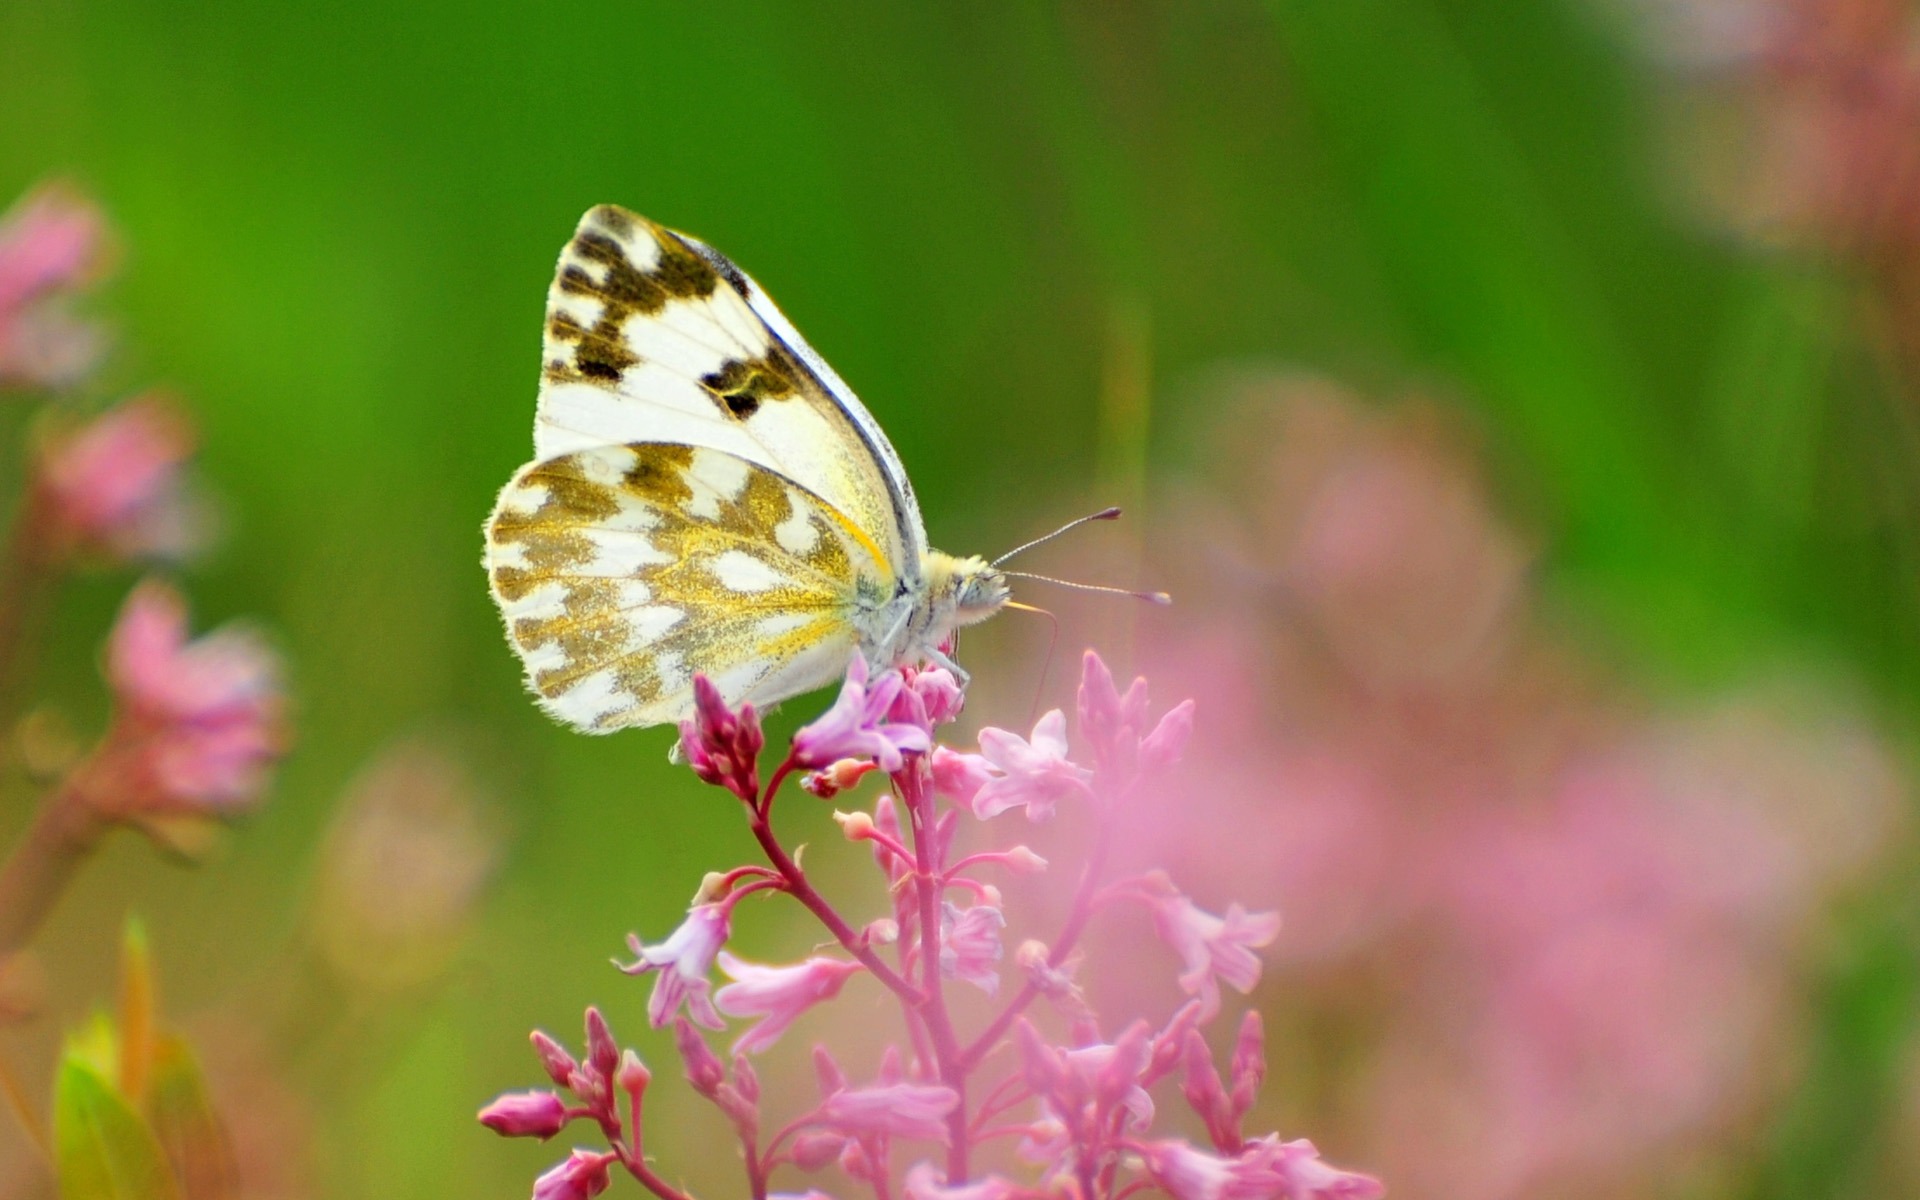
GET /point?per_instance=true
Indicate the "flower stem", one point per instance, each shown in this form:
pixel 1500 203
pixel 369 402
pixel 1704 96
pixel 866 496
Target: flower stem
pixel 1076 924
pixel 64 832
pixel 912 782
pixel 803 890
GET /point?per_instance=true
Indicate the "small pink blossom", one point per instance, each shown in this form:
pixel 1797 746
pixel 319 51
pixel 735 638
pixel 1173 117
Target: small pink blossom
pixel 936 697
pixel 684 961
pixel 958 776
pixel 115 485
pixel 1033 773
pixel 1162 747
pixel 912 1110
pixel 859 725
pixel 198 723
pixel 1212 947
pixel 50 241
pixel 526 1114
pixel 925 1182
pixel 1111 722
pixel 1267 1169
pixel 721 745
pixel 777 995
pixel 581 1177
pixel 970 944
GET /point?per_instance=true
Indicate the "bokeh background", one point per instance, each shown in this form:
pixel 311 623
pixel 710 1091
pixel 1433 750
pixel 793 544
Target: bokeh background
pixel 1521 399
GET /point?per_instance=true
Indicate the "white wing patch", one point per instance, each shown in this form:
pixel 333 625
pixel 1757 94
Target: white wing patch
pixel 652 336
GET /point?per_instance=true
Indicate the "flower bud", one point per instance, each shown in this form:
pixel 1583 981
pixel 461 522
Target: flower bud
pixel 526 1114
pixel 857 826
pixel 813 1151
pixel 1023 861
pixel 554 1059
pixel 633 1076
pixel 603 1053
pixel 581 1177
pixel 704 1071
pixel 1161 748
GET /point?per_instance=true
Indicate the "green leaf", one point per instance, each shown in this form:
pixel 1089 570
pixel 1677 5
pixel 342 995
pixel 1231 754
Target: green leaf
pixel 190 1131
pixel 136 1013
pixel 103 1149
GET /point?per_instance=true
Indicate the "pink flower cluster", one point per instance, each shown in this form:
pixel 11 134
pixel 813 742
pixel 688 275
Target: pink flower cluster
pixel 199 722
pixel 1570 929
pixel 1024 1104
pixel 196 724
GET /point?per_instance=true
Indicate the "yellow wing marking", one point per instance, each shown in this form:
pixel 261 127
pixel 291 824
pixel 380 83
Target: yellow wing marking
pixel 623 570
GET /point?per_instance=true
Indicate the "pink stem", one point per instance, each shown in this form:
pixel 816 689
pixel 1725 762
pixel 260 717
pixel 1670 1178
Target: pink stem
pixel 1077 918
pixel 946 1048
pixel 802 890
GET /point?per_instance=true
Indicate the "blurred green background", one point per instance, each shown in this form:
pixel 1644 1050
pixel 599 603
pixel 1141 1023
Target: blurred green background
pixel 339 221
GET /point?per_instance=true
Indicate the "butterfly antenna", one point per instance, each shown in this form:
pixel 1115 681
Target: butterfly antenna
pixel 1105 514
pixel 1046 664
pixel 1149 597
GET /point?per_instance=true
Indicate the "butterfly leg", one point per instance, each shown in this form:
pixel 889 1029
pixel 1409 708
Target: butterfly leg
pixel 938 659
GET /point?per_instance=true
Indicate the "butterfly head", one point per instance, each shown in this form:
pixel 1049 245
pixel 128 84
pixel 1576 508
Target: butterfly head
pixel 979 590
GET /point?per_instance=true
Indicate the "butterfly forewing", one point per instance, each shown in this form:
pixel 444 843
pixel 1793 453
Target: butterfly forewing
pixel 623 570
pixel 653 336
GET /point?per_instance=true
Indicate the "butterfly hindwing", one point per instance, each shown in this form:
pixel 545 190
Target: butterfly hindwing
pixel 624 569
pixel 653 336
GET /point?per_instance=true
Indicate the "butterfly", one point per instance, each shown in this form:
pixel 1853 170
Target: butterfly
pixel 706 497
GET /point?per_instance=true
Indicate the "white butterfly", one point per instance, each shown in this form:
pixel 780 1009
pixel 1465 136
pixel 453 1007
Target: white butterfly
pixel 706 496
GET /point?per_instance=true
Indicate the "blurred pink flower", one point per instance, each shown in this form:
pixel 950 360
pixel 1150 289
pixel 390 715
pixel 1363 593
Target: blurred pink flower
pixel 684 961
pixel 1212 948
pixel 1267 1169
pixel 51 241
pixel 911 1110
pixel 116 485
pixel 970 944
pixel 1034 774
pixel 925 1182
pixel 777 995
pixel 198 724
pixel 1575 933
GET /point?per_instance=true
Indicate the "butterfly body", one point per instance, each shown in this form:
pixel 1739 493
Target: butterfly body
pixel 707 496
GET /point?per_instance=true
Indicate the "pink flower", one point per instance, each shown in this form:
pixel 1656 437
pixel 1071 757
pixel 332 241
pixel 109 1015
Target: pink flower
pixel 49 242
pixel 114 485
pixel 1110 721
pixel 1034 774
pixel 1213 948
pixel 581 1177
pixel 859 724
pixel 526 1114
pixel 684 960
pixel 1162 747
pixel 1268 1169
pixel 198 723
pixel 777 995
pixel 1295 1169
pixel 912 1110
pixel 925 1182
pixel 970 944
pixel 1188 1173
pixel 930 697
pixel 958 776
pixel 722 746
pixel 50 239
